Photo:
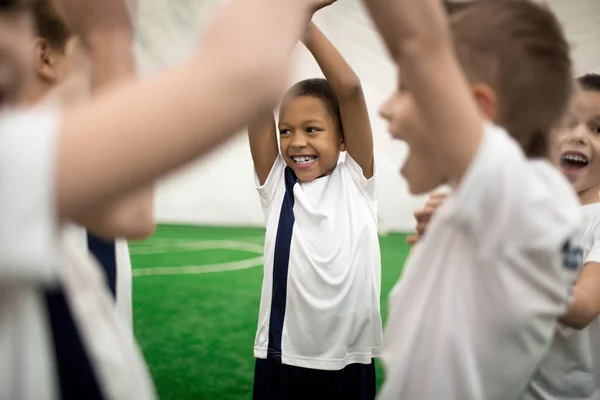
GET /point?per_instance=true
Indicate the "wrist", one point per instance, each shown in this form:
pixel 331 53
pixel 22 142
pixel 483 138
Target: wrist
pixel 308 35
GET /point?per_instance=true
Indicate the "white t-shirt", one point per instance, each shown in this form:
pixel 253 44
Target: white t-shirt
pixel 28 255
pixel 320 296
pixel 476 307
pixel 124 282
pixel 37 256
pixel 567 372
pixel 122 259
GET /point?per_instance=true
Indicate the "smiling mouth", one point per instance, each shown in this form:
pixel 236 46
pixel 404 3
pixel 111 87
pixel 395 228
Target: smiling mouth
pixel 572 162
pixel 303 160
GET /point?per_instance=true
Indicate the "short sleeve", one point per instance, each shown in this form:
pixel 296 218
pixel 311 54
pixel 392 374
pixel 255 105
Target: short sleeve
pixel 28 222
pixel 508 201
pixel 268 190
pixel 594 254
pixel 366 186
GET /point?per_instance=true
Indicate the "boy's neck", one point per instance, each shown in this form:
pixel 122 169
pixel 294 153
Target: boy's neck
pixel 589 196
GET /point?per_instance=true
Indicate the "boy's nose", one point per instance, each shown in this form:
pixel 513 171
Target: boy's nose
pixel 298 141
pixel 578 136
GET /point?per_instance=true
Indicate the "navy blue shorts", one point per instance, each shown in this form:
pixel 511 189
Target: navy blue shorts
pixel 276 381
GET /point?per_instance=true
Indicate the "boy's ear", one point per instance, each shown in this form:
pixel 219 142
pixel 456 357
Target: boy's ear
pixel 487 101
pixel 44 60
pixel 342 142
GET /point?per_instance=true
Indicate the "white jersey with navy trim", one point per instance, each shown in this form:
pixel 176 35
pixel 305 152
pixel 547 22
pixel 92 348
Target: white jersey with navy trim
pixel 321 288
pixel 59 334
pixel 28 255
pixel 115 262
pixel 124 301
pixel 479 298
pixel 571 369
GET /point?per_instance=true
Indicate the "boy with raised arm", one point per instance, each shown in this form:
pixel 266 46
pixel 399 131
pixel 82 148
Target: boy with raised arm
pixel 319 325
pixel 480 296
pixel 58 165
pixel 62 73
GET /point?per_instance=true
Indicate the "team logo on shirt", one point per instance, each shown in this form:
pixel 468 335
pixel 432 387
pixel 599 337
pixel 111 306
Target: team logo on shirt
pixel 572 255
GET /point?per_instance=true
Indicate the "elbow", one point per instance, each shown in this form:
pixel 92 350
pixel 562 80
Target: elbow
pixel 139 226
pixel 581 319
pixel 142 228
pixel 577 325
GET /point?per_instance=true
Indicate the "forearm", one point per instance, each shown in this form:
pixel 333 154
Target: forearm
pixel 581 311
pixel 417 35
pixel 130 216
pixel 408 23
pixel 181 114
pixel 342 78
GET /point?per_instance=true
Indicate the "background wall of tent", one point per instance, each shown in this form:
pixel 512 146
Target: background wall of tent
pixel 219 190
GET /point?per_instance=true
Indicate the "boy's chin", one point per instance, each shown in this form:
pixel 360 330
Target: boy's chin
pixel 418 187
pixel 306 175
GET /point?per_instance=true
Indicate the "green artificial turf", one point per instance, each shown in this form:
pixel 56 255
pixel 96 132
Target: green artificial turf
pixel 197 330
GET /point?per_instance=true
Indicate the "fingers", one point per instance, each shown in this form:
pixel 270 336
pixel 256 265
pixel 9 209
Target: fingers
pixel 436 199
pixel 412 239
pixel 423 215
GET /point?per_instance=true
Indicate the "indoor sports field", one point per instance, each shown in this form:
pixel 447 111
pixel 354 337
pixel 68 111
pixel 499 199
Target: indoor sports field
pixel 195 303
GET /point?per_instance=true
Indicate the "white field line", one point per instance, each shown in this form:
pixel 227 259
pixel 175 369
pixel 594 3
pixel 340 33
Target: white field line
pixel 181 246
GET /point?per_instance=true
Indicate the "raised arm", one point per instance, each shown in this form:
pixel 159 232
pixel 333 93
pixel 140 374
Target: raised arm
pixel 347 88
pixel 130 216
pixel 141 131
pixel 417 36
pixel 263 145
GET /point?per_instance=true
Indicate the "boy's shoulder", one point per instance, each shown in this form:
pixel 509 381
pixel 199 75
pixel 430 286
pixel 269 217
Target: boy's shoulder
pixel 521 198
pixel 347 172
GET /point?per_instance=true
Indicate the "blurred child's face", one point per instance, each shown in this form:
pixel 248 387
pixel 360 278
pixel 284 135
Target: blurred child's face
pixel 405 123
pixel 578 143
pixel 310 140
pixel 16 57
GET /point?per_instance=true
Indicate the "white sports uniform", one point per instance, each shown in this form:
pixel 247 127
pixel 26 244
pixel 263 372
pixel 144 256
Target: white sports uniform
pixel 320 306
pixel 124 282
pixel 112 256
pixel 570 370
pixel 476 307
pixel 46 280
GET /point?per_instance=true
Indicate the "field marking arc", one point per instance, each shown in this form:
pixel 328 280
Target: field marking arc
pixel 184 246
pixel 196 246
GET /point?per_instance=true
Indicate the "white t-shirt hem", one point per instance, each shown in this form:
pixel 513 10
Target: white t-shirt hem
pixel 321 364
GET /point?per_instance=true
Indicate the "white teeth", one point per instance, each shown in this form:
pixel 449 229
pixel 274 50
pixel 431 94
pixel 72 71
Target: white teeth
pixel 574 158
pixel 304 159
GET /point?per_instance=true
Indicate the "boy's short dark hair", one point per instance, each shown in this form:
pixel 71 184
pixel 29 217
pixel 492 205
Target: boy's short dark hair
pixel 589 82
pixel 320 89
pixel 49 25
pixel 519 50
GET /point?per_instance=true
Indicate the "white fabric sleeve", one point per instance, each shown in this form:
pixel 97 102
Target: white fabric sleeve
pixel 594 254
pixel 28 221
pixel 512 204
pixel 274 180
pixel 366 186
